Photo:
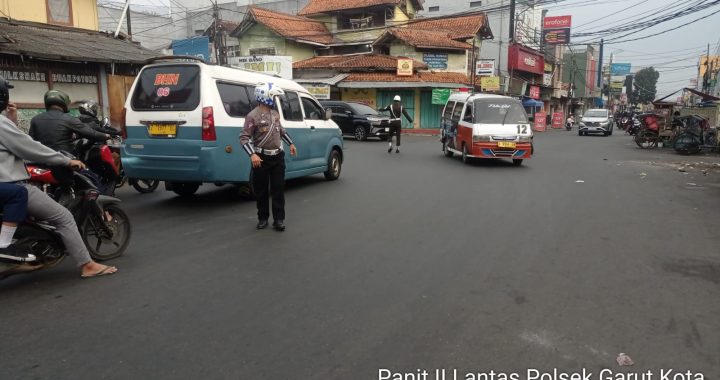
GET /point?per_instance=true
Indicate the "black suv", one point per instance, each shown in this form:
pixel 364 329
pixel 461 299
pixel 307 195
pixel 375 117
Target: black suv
pixel 358 120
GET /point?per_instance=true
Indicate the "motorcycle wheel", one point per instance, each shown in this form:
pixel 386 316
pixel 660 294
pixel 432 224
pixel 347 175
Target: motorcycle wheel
pixel 121 181
pixel 646 139
pixel 101 244
pixel 144 186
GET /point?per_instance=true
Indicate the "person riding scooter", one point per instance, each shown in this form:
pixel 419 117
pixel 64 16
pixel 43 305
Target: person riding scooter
pixel 56 129
pixel 89 115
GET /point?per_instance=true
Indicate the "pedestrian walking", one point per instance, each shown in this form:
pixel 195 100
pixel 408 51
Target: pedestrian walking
pixel 396 113
pixel 262 138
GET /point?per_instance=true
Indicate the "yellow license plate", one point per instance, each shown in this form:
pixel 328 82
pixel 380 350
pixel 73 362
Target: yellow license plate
pixel 506 144
pixel 164 130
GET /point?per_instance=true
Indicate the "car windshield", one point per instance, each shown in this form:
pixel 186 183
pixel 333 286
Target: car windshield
pixel 499 111
pixel 362 109
pixel 596 113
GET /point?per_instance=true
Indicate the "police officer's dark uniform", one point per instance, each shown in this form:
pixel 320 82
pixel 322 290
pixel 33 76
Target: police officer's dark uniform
pixel 396 113
pixel 263 135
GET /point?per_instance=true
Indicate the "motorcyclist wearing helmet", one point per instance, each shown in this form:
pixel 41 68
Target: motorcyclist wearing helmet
pixel 16 146
pixel 262 138
pixel 89 115
pixel 55 127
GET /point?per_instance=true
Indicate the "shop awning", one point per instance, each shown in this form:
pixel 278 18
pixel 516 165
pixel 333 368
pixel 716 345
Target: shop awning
pixel 703 95
pixel 528 102
pixel 43 41
pixel 329 81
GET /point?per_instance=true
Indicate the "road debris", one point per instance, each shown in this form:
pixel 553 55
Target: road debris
pixel 579 181
pixel 624 360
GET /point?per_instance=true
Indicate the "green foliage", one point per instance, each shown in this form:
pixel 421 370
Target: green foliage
pixel 645 85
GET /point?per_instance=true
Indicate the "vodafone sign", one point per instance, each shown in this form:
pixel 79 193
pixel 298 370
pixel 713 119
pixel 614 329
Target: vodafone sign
pixel 557 22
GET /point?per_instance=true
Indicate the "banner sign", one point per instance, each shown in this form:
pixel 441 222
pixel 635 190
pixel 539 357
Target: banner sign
pixel 73 78
pixel 556 36
pixel 490 83
pixel 195 47
pixel 485 67
pixel 617 85
pixel 547 79
pixel 620 68
pixel 436 60
pixel 557 120
pixel 556 30
pixel 535 92
pixel 557 22
pixel 440 96
pixel 319 91
pixel 268 64
pixel 404 67
pixel 540 121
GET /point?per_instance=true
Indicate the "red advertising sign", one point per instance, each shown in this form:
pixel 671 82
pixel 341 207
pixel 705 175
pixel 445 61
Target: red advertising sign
pixel 557 120
pixel 535 92
pixel 557 22
pixel 540 122
pixel 525 59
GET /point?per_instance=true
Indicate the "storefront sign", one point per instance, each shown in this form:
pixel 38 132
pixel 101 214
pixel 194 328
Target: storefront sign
pixel 74 78
pixel 268 64
pixel 617 86
pixel 557 120
pixel 524 59
pixel 557 22
pixel 490 83
pixel 405 67
pixel 319 91
pixel 23 75
pixel 540 123
pixel 548 67
pixel 485 67
pixel 620 68
pixel 440 96
pixel 535 92
pixel 436 60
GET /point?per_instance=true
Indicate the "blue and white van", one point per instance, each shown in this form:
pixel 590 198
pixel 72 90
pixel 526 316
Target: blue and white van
pixel 182 120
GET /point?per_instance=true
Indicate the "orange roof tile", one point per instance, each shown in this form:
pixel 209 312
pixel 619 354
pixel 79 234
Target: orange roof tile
pixel 457 27
pixel 324 6
pixel 421 76
pixel 292 27
pixel 359 61
pixel 428 38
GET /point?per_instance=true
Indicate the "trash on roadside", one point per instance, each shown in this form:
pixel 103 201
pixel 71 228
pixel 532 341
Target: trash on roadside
pixel 682 169
pixel 579 181
pixel 691 184
pixel 705 172
pixel 624 360
pixel 643 174
pixel 605 159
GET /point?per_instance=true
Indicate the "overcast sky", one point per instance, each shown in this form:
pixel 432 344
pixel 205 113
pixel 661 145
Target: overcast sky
pixel 669 53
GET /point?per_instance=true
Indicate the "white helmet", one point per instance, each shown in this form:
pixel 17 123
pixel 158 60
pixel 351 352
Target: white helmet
pixel 397 98
pixel 265 93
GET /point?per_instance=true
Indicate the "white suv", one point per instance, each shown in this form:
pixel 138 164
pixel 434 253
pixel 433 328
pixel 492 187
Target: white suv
pixel 596 121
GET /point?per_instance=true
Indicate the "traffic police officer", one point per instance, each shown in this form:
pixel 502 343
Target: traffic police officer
pixel 397 112
pixel 262 138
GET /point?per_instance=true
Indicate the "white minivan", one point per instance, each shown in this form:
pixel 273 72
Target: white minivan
pixel 182 120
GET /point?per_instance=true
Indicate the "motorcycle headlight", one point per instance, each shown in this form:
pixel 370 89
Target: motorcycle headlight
pixel 481 138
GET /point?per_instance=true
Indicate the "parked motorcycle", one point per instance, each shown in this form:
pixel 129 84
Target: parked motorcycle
pixel 104 227
pixel 143 186
pixel 633 126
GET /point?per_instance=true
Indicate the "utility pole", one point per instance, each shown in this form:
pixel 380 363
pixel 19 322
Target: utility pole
pixel 129 23
pixel 473 67
pixel 610 94
pixel 600 65
pixel 706 82
pixel 512 21
pixel 218 40
pixel 122 17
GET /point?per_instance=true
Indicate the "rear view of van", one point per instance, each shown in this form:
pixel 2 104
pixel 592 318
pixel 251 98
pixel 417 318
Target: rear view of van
pixel 182 120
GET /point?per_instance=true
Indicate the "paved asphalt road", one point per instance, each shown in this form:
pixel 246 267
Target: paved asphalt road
pixel 408 261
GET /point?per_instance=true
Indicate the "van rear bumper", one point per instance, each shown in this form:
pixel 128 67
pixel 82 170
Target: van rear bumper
pixel 206 167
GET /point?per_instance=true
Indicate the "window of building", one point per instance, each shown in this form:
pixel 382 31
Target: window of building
pixel 474 4
pixel 262 51
pixel 361 20
pixel 234 51
pixel 434 9
pixel 59 12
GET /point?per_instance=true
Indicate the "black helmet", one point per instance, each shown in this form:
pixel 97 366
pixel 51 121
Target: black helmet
pixel 57 98
pixel 4 93
pixel 88 107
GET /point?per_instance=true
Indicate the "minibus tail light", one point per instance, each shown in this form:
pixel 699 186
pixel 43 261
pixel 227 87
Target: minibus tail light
pixel 208 124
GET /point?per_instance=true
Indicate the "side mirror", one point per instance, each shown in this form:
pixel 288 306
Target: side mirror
pixel 349 113
pixel 328 114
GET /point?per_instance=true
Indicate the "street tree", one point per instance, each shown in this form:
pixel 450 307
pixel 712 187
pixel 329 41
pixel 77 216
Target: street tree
pixel 646 85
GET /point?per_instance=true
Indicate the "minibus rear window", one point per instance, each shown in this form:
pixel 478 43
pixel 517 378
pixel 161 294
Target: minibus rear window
pixel 168 88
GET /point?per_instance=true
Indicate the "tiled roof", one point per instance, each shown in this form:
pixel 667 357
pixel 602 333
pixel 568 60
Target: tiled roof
pixel 362 61
pixel 457 27
pixel 291 27
pixel 428 38
pixel 68 44
pixel 421 76
pixel 324 6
